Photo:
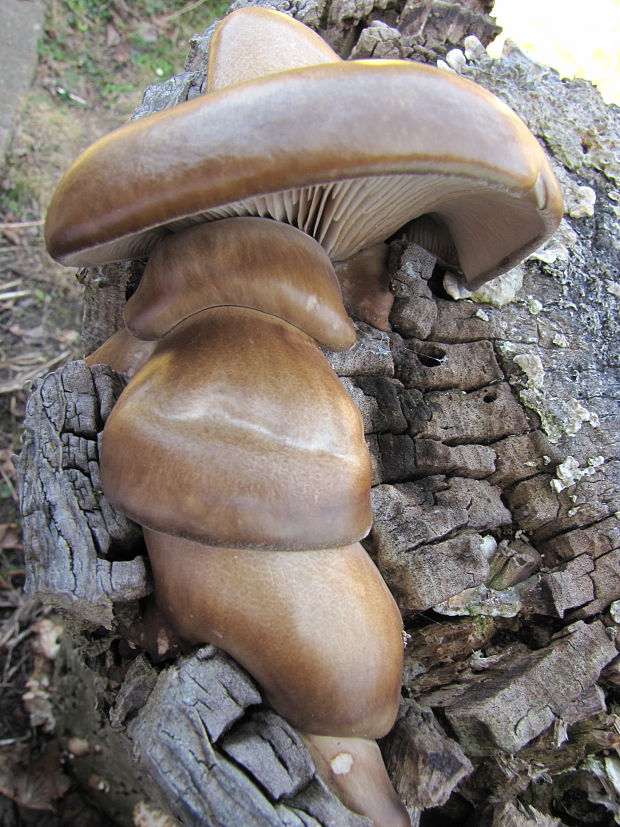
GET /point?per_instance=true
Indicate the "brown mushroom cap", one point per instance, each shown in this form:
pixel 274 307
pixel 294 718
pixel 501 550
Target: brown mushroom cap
pixel 365 283
pixel 348 152
pixel 318 629
pixel 254 41
pixel 245 262
pixel 236 432
pixel 123 352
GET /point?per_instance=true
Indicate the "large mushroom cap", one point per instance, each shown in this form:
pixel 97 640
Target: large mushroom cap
pixel 349 152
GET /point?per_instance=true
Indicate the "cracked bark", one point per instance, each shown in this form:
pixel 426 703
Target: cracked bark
pixel 502 554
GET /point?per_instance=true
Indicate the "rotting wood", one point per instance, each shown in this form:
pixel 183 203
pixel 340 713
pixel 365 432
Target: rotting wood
pixel 248 766
pixel 71 534
pixel 508 705
pixel 472 411
pixel 428 764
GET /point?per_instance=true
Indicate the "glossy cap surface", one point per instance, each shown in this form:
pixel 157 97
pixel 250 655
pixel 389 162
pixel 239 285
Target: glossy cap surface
pixel 236 432
pixel 242 262
pixel 348 152
pixel 254 41
pixel 317 629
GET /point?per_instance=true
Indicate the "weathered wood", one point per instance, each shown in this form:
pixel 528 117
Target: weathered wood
pixel 248 767
pixel 415 30
pixel 513 562
pixel 427 763
pixel 99 754
pixel 473 410
pixel 370 355
pixel 105 291
pixel 508 705
pixel 437 654
pixel 71 534
pixel 509 814
pixel 428 574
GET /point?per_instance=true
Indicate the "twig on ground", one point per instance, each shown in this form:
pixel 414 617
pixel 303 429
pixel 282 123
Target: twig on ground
pixel 14 294
pixel 20 225
pixel 189 7
pixel 18 382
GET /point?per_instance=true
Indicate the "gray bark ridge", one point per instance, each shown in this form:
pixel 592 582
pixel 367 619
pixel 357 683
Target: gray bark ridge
pixel 248 766
pixel 71 533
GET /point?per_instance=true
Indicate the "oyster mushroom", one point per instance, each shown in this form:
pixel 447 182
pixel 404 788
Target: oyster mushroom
pixel 209 265
pixel 350 167
pixel 320 633
pixel 293 158
pixel 242 428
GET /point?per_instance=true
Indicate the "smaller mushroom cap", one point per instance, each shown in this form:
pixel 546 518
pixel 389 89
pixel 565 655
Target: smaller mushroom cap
pixel 242 262
pixel 237 432
pixel 254 41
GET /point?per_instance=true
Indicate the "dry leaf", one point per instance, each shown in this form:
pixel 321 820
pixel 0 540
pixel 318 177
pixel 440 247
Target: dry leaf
pixel 35 334
pixel 67 337
pixel 9 535
pixel 33 782
pixel 47 638
pixel 12 237
pixel 36 700
pixel 122 53
pixel 148 32
pixel 112 37
pixel 6 462
pixel 147 815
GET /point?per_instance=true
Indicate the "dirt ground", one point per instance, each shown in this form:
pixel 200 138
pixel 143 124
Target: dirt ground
pixel 95 59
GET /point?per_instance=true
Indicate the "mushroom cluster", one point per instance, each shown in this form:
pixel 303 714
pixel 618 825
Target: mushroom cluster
pixel 234 444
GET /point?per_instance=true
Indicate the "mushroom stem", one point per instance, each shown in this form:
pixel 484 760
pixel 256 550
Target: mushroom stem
pixel 353 768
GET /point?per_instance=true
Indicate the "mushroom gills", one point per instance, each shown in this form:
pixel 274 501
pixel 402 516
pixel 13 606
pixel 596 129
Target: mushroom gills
pixel 430 232
pixel 352 167
pixel 482 229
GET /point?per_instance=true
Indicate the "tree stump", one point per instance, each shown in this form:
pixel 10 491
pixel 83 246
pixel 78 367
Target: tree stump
pixel 494 438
